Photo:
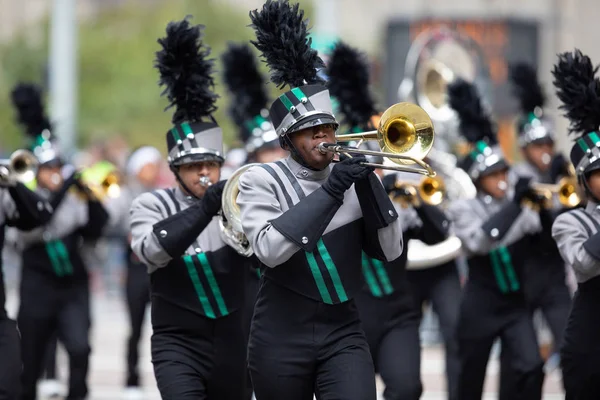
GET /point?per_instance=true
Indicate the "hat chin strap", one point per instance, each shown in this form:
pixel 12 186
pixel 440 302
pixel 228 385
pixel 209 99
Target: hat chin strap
pixel 583 181
pixel 175 171
pixel 294 152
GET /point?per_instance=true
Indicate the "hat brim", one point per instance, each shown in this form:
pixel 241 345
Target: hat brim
pixel 196 158
pixel 499 166
pixel 592 167
pixel 313 120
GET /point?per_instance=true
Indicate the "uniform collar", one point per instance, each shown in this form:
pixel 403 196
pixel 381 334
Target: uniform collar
pixel 592 207
pixel 183 197
pixel 304 173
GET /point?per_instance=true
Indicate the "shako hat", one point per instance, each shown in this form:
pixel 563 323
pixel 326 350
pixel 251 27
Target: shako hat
pixel 186 72
pixel 477 128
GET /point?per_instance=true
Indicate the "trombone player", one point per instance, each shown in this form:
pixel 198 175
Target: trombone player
pixel 308 223
pixel 544 274
pixel 390 317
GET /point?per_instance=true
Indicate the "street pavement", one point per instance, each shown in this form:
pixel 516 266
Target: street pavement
pixel 107 370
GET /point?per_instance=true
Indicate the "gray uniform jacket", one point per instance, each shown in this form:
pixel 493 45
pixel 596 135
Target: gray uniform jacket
pixel 208 279
pixel 331 273
pixel 55 248
pixel 571 231
pixel 494 260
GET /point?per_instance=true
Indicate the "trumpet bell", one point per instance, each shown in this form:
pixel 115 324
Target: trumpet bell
pixel 405 129
pixel 20 167
pixel 432 190
pixel 567 193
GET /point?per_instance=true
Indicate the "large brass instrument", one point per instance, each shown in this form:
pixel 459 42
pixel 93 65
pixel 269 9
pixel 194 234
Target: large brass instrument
pixel 405 135
pixel 435 59
pixel 231 221
pixel 431 190
pixel 20 167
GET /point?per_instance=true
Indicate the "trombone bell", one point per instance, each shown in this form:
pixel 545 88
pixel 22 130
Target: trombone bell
pixel 405 136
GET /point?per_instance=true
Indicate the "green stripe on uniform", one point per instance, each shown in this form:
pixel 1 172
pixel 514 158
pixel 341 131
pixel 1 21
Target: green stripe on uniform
pixel 286 102
pixel 187 129
pixel 331 268
pixel 64 255
pixel 370 276
pixel 175 134
pixel 299 94
pixel 54 259
pixel 595 138
pixel 497 272
pixel 208 310
pixel 214 286
pixel 383 276
pixel 314 268
pixel 508 267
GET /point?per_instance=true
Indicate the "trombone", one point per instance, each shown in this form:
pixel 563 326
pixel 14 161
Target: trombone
pixel 405 136
pixel 20 167
pixel 431 190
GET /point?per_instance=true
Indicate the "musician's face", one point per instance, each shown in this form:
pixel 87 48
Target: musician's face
pixel 270 154
pixel 495 184
pixel 593 181
pixel 191 173
pixel 540 155
pixel 148 174
pixel 306 140
pixel 50 178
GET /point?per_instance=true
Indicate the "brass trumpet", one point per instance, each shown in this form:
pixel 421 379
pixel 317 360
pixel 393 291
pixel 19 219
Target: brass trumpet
pixel 430 191
pixel 405 136
pixel 20 167
pixel 565 190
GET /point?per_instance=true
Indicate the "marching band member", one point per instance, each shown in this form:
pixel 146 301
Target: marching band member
pixel 54 293
pixel 142 172
pixel 544 281
pixel 308 223
pixel 577 232
pixel 24 210
pixel 197 281
pixel 249 111
pixel 496 233
pixel 387 311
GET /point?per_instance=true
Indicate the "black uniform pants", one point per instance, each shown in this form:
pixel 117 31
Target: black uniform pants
pixel 392 329
pixel 137 293
pixel 581 348
pixel 10 360
pixel 49 306
pixel 50 359
pixel 548 293
pixel 251 293
pixel 440 286
pixel 196 357
pixel 299 346
pixel 485 316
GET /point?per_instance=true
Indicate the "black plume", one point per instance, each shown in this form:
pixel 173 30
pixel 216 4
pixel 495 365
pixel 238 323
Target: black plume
pixel 526 87
pixel 282 38
pixel 27 99
pixel 244 82
pixel 579 91
pixel 475 123
pixel 348 72
pixel 186 72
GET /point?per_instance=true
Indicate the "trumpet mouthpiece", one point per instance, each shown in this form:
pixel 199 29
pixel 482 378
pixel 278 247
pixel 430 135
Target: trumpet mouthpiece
pixel 205 181
pixel 322 148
